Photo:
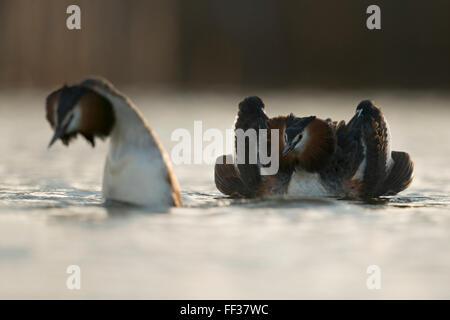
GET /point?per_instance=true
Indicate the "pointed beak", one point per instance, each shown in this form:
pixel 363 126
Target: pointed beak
pixel 288 148
pixel 58 133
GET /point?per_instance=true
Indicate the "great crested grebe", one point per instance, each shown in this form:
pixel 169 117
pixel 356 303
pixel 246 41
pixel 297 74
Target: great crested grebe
pixel 319 157
pixel 137 170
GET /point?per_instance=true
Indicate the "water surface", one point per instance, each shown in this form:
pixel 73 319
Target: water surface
pixel 52 213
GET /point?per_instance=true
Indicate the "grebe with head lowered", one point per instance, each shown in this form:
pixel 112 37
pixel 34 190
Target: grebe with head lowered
pixel 320 157
pixel 137 170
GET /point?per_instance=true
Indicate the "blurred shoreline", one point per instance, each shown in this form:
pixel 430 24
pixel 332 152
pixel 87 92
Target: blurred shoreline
pixel 189 45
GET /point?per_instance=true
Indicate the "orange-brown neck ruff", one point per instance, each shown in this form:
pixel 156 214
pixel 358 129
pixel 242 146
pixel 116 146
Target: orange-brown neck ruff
pixel 319 146
pixel 97 116
pixel 279 123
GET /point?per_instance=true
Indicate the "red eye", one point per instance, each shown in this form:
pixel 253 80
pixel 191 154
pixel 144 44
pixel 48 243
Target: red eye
pixel 300 137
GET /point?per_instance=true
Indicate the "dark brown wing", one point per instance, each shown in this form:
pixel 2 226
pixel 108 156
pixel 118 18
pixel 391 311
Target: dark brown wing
pixel 51 106
pixel 228 180
pixel 369 131
pixel 243 179
pixel 346 159
pixel 375 136
pixel 401 174
pixel 251 116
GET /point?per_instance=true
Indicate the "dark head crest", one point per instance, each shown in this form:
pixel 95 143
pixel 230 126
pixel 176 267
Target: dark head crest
pixel 296 125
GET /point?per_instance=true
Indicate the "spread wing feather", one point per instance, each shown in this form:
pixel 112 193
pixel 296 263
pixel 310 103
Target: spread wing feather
pixel 227 178
pixel 400 176
pixel 244 178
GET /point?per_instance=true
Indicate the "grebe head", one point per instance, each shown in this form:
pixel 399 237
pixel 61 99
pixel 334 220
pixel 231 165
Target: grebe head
pixel 309 142
pixel 295 135
pixel 78 109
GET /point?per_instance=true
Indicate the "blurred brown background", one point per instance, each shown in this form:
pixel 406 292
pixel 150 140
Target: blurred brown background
pixel 201 43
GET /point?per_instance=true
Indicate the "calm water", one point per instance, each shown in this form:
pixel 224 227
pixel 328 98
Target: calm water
pixel 51 214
